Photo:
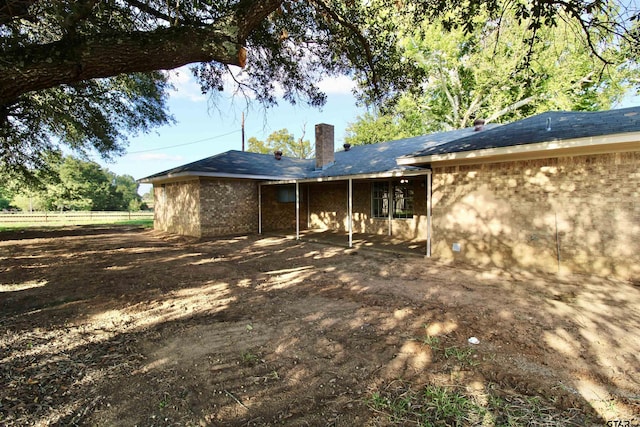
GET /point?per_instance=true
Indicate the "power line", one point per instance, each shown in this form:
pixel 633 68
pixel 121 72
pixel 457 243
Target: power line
pixel 186 143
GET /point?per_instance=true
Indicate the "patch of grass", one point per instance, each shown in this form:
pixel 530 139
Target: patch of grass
pixel 145 223
pixel 249 358
pixel 165 401
pixel 432 406
pixel 464 356
pixel 436 405
pixel 433 342
pixel 447 406
pixel 17 226
pixel 518 410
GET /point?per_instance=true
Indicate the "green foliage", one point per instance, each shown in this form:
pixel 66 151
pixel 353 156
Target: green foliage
pixel 497 73
pixel 284 141
pixel 371 129
pixel 127 186
pixel 5 198
pixel 464 356
pixel 407 121
pixel 84 75
pixel 249 358
pixel 90 116
pixel 434 405
pixel 79 185
pixel 433 342
pixel 147 201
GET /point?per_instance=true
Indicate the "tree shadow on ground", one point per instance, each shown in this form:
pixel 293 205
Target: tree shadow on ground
pixel 139 328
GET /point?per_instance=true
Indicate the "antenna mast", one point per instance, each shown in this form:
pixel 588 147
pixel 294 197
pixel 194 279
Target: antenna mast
pixel 243 131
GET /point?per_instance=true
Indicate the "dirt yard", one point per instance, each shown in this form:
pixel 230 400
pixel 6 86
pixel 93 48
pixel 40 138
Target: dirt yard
pixel 126 326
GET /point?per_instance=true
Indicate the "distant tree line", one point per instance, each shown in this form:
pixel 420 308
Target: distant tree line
pixel 284 141
pixel 72 184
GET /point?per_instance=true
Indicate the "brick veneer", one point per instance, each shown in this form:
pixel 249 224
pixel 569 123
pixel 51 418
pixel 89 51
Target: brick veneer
pixel 177 207
pixel 228 207
pixel 570 214
pixel 278 216
pixel 328 207
pixel 207 207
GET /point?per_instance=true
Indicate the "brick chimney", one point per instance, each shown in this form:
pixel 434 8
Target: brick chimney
pixel 324 146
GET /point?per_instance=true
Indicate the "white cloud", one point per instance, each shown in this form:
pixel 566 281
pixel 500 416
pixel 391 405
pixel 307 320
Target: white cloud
pixel 340 85
pixel 186 85
pixel 158 156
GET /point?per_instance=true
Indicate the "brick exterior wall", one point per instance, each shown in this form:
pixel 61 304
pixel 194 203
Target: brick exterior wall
pixel 328 207
pixel 177 207
pixel 228 207
pixel 569 214
pixel 278 216
pixel 206 207
pixel 509 214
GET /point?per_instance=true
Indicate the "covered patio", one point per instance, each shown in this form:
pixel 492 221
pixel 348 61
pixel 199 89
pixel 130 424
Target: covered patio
pixel 367 241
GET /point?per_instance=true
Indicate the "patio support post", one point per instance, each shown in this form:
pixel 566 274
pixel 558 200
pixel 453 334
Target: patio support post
pixel 350 213
pixel 259 208
pixel 390 206
pixel 429 214
pixel 297 210
pixel 308 207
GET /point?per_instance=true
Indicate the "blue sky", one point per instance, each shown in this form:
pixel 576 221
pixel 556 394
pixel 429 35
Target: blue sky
pixel 208 126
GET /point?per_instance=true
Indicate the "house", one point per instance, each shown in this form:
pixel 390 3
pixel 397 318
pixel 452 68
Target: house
pixel 557 192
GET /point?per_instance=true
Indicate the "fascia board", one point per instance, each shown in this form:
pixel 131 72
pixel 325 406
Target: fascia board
pixel 388 174
pixel 194 175
pixel 629 141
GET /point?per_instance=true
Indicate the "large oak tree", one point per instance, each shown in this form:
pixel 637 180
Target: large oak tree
pixel 496 74
pixel 85 73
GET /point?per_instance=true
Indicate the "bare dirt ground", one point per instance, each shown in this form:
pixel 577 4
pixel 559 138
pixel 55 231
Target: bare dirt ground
pixel 125 326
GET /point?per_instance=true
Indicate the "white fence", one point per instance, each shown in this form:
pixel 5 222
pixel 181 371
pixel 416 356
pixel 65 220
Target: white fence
pixel 72 217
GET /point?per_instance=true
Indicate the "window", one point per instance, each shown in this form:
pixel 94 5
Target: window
pixel 380 200
pixel 287 194
pixel 403 199
pixel 402 203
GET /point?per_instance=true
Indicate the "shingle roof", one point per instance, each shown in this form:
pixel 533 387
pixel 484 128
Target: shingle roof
pixel 550 126
pixel 382 157
pixel 362 159
pixel 243 163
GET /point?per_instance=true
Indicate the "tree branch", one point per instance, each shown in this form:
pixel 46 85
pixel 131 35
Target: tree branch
pixel 13 9
pixel 74 58
pixel 356 32
pixel 510 108
pixel 472 108
pixel 149 10
pixel 71 60
pixel 250 13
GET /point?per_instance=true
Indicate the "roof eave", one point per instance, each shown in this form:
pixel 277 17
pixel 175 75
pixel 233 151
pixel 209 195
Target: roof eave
pixel 629 141
pixel 193 175
pixel 384 174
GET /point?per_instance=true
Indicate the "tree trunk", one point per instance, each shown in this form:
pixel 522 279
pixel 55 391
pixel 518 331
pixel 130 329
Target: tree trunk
pixel 40 67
